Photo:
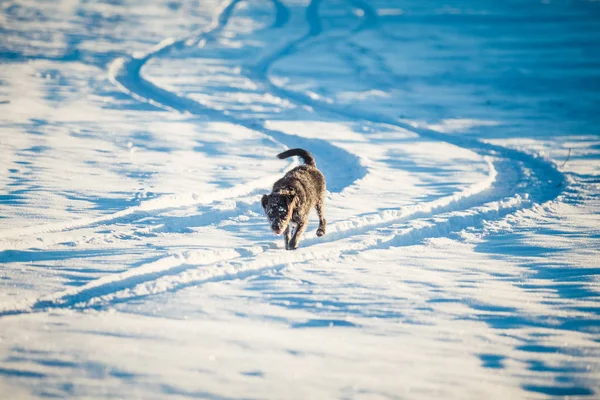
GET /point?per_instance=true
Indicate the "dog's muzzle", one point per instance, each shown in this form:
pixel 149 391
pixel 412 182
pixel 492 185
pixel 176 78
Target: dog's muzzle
pixel 277 228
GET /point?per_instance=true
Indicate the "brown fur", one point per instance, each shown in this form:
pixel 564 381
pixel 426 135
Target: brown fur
pixel 293 197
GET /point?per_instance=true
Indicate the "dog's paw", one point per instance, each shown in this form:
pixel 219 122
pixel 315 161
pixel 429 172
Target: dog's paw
pixel 320 232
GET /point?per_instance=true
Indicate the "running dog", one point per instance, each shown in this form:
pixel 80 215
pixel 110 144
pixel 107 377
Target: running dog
pixel 292 198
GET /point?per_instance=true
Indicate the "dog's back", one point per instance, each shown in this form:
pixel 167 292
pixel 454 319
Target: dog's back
pixel 306 180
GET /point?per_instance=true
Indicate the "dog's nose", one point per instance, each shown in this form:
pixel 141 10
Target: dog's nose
pixel 276 228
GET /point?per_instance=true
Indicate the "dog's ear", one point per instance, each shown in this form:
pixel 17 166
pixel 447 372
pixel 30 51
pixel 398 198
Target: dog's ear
pixel 264 200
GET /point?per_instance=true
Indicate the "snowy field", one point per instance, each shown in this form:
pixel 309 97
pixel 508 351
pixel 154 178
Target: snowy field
pixel 461 146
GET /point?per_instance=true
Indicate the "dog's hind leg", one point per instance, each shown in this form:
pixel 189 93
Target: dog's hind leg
pixel 322 222
pixel 293 245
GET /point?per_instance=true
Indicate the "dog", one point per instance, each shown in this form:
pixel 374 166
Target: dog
pixel 293 196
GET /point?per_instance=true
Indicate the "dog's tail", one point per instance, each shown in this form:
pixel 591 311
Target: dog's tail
pixel 303 154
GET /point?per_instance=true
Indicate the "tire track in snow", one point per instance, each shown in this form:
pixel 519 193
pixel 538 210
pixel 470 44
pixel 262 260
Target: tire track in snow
pixel 536 170
pixel 345 167
pixel 190 273
pixel 467 211
pixel 179 271
pixel 470 208
pixel 551 180
pixel 126 73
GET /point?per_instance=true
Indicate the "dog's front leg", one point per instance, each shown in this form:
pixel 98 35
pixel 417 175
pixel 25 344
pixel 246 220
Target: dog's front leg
pixel 293 245
pixel 287 236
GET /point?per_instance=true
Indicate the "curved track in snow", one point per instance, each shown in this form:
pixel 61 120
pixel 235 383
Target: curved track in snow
pixel 516 180
pixel 550 178
pixel 126 73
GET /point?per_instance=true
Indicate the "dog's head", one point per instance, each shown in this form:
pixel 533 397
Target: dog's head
pixel 279 207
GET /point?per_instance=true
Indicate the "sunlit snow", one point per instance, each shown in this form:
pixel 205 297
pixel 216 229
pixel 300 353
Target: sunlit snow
pixel 461 148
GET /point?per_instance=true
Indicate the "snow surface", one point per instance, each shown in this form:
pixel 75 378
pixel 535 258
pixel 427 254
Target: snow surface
pixel 462 152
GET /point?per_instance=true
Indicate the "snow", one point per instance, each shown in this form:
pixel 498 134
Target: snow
pixel 461 149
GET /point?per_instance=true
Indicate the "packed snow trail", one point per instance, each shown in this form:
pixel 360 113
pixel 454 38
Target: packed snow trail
pixel 496 202
pixel 177 268
pixel 345 168
pixel 491 199
pixel 126 74
pixel 552 181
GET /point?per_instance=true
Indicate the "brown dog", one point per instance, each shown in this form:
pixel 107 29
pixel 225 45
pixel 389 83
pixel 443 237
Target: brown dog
pixel 292 198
